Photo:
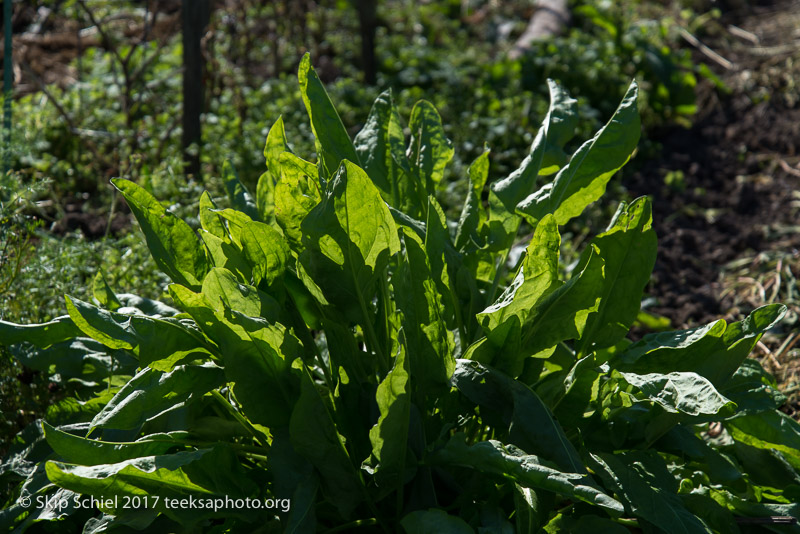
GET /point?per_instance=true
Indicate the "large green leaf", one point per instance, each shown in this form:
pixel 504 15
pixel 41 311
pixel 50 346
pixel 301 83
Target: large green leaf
pixel 768 430
pixel 295 196
pixel 681 392
pixel 79 358
pixel 538 311
pixel 473 214
pixel 429 150
pixel 159 343
pixel 103 294
pixel 576 391
pixel 537 277
pixel 443 259
pixel 628 249
pixel 151 393
pixel 227 255
pixel 349 238
pixel 714 351
pixel 265 189
pixel 77 450
pixel 220 285
pixel 238 196
pixel 381 148
pixel 164 476
pixel 333 142
pixel 682 442
pixel 531 508
pixel 389 436
pixel 753 389
pixel 42 335
pixel 761 511
pixel 173 244
pixel 256 356
pixel 429 342
pixel 584 178
pixel 209 220
pixel 584 524
pixel 266 250
pixel 557 128
pixel 649 491
pixel 494 458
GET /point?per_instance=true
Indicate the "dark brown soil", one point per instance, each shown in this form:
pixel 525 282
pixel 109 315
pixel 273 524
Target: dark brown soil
pixel 733 173
pixel 92 224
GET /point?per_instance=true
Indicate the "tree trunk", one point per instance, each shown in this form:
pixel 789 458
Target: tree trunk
pixel 548 20
pixel 7 86
pixel 195 17
pixel 368 19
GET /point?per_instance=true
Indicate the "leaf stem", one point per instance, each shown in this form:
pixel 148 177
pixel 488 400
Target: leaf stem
pixel 499 273
pixel 259 436
pixel 371 337
pixel 462 330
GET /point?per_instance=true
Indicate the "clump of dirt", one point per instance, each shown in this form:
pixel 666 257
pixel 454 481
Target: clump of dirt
pixel 93 225
pixel 726 186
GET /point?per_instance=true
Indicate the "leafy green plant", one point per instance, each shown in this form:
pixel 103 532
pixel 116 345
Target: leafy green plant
pixel 343 356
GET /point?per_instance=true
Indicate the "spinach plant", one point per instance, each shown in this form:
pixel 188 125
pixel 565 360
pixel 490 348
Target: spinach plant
pixel 341 357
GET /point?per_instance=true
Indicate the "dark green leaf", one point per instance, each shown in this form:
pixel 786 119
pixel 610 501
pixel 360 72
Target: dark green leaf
pixel 584 524
pixel 768 430
pixel 649 491
pixel 531 426
pixel 314 436
pixel 159 343
pixel 494 458
pixel 150 393
pixel 473 214
pixel 76 450
pixel 42 335
pixel 434 521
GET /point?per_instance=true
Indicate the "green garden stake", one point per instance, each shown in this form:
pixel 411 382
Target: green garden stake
pixel 7 84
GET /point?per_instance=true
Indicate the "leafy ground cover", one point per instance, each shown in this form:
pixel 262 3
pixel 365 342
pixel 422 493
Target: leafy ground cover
pixel 338 342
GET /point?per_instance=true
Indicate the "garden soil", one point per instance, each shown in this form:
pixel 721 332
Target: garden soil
pixel 729 186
